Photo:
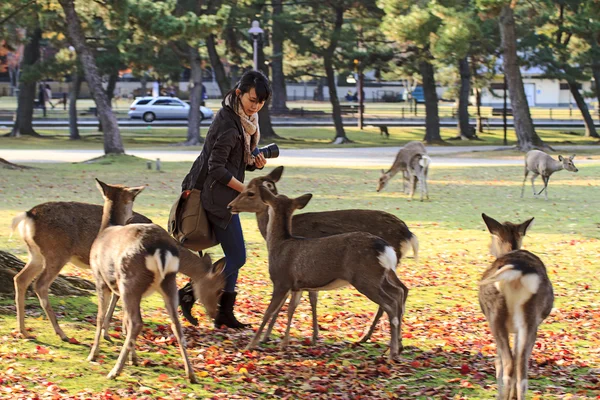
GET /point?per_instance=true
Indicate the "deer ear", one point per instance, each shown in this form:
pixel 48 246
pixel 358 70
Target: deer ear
pixel 560 158
pixel 103 187
pixel 135 190
pixel 219 266
pixel 572 157
pixel 492 225
pixel 275 175
pixel 382 172
pixel 302 201
pixel 206 260
pixel 265 194
pixel 524 227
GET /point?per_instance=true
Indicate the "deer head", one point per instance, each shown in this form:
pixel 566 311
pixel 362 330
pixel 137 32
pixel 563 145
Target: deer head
pixel 506 237
pixel 568 163
pixel 249 199
pixel 119 194
pixel 383 180
pixel 213 282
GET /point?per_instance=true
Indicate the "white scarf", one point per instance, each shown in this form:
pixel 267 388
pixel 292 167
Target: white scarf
pixel 251 131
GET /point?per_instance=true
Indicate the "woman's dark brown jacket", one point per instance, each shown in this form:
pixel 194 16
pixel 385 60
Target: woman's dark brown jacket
pixel 222 157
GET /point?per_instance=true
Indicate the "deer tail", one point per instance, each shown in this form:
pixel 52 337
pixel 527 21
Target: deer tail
pixel 162 262
pixel 16 222
pixel 510 273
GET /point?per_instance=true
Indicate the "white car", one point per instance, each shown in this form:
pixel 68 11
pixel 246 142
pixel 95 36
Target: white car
pixel 163 107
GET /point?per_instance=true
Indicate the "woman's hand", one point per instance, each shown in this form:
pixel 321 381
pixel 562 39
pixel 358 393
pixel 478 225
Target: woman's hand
pixel 260 161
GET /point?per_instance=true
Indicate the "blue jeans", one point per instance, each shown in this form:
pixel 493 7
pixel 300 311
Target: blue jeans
pixel 232 243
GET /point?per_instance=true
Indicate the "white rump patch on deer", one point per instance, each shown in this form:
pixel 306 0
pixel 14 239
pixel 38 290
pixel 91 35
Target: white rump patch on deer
pixel 388 259
pixel 155 265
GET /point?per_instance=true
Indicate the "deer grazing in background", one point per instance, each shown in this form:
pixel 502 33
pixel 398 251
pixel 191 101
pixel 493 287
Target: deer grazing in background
pixel 360 259
pixel 133 261
pixel 60 232
pixel 401 164
pixel 327 223
pixel 515 295
pixel 540 163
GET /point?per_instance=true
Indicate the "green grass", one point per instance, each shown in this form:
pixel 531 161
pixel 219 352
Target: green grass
pixel 308 137
pixel 443 327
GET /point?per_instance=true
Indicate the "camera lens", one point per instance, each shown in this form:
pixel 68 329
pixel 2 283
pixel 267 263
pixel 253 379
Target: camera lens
pixel 269 151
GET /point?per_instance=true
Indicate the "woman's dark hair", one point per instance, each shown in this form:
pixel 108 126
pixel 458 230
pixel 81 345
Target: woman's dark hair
pixel 251 80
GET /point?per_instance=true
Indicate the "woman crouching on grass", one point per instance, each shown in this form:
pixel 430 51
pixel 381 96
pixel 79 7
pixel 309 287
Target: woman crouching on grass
pixel 219 174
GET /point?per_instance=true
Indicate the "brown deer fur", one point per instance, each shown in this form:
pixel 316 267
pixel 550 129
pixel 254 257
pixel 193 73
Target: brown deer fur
pixel 327 223
pixel 361 259
pixel 515 295
pixel 59 232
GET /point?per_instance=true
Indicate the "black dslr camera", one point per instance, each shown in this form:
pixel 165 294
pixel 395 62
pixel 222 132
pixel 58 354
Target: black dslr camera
pixel 269 151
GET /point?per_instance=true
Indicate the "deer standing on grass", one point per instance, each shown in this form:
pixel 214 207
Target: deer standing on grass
pixel 540 163
pixel 327 223
pixel 133 261
pixel 59 232
pixel 296 264
pixel 401 164
pixel 515 295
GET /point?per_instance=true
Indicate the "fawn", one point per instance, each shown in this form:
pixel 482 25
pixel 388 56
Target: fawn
pixel 361 259
pixel 401 164
pixel 515 295
pixel 133 261
pixel 327 223
pixel 59 232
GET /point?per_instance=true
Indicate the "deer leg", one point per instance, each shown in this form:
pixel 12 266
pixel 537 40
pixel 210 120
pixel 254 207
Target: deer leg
pixel 277 299
pixel 545 179
pixel 171 297
pixel 396 290
pixel 111 309
pixel 425 183
pixel 526 341
pixel 102 291
pixel 413 181
pixel 294 300
pixel 524 180
pixel 51 269
pixel 422 184
pixel 267 335
pixel 313 297
pixel 533 176
pixel 131 302
pixel 22 281
pixel 504 358
pixel 369 333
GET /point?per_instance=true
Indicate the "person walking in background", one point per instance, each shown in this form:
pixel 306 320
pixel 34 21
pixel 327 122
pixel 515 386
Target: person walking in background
pixel 42 98
pixel 48 94
pixel 219 174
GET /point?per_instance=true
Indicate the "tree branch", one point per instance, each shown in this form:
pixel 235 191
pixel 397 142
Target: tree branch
pixel 18 10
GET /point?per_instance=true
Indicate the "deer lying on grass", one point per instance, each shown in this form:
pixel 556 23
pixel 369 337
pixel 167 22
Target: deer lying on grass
pixel 361 259
pixel 515 295
pixel 59 232
pixel 327 223
pixel 540 163
pixel 133 261
pixel 401 164
pixel 418 168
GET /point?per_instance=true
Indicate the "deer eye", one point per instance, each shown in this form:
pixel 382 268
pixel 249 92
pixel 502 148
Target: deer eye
pixel 250 194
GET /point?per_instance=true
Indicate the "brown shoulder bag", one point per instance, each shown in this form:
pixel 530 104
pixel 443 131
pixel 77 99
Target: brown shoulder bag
pixel 188 223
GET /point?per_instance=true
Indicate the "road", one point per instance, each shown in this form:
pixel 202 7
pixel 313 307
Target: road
pixel 333 157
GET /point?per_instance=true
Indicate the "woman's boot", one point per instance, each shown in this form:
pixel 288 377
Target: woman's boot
pixel 225 315
pixel 186 302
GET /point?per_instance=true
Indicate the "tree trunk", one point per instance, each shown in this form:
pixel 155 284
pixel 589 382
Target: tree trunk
pixel 596 72
pixel 466 132
pixel 110 92
pixel 590 129
pixel 217 66
pixel 112 136
pixel 193 132
pixel 144 84
pixel 340 134
pixel 73 95
pixel 278 105
pixel 478 103
pixel 264 115
pixel 31 54
pixel 432 117
pixel 526 136
pixel 62 286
